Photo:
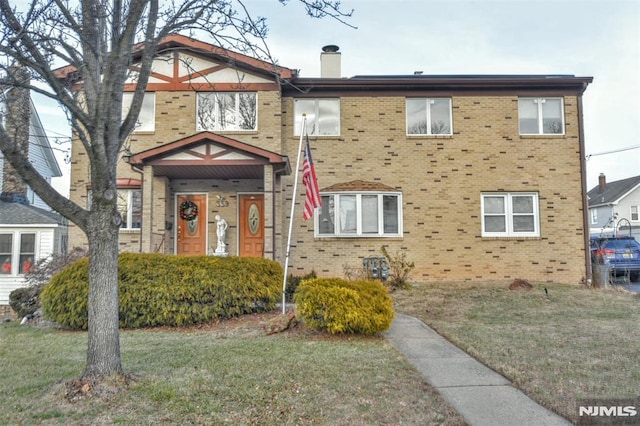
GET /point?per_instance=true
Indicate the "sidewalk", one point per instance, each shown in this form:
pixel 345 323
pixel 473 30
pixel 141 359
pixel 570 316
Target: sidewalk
pixel 480 395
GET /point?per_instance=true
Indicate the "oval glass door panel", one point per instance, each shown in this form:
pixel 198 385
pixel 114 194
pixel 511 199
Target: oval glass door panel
pixel 192 226
pixel 254 219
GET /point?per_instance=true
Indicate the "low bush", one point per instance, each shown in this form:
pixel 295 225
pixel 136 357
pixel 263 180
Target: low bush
pixel 26 300
pixel 163 290
pixel 293 281
pixel 344 307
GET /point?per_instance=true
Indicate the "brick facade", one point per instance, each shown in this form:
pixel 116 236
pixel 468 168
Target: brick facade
pixel 440 178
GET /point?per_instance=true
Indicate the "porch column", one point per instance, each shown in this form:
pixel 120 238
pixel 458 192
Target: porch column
pixel 154 207
pixel 269 212
pixel 147 210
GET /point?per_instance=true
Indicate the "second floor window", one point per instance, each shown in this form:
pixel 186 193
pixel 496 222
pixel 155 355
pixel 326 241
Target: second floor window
pixel 634 213
pixel 594 216
pixel 541 116
pixel 429 116
pixel 227 111
pixel 147 118
pixel 323 116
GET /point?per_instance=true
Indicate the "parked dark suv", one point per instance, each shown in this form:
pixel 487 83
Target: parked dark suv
pixel 622 254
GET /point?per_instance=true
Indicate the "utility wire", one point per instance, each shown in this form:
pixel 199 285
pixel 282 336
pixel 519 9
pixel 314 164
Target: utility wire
pixel 613 151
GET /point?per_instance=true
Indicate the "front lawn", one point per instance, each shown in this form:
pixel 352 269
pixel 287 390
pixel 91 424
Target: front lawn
pixel 576 343
pixel 225 373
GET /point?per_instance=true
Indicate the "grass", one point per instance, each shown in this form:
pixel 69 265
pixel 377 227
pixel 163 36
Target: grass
pixel 233 374
pixel 577 343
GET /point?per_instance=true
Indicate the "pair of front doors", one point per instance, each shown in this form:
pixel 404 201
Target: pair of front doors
pixel 191 235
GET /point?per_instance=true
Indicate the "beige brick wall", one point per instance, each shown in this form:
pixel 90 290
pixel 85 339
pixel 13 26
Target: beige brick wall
pixel 441 179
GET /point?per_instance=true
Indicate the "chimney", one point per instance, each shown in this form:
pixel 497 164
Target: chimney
pixel 330 62
pixel 602 182
pixel 18 109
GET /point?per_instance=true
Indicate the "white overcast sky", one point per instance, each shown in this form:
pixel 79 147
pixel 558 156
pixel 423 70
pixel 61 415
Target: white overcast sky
pixel 599 39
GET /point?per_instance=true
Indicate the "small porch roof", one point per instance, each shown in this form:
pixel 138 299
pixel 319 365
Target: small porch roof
pixel 207 155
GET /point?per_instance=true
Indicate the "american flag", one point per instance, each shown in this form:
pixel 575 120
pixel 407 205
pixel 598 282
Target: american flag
pixel 312 196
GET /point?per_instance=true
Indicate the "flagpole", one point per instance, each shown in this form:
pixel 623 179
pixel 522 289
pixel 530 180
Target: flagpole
pixel 293 207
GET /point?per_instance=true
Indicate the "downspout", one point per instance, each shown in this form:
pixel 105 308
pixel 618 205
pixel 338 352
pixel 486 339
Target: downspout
pixel 585 202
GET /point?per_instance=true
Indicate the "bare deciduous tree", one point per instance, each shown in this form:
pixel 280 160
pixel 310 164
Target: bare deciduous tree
pixel 80 54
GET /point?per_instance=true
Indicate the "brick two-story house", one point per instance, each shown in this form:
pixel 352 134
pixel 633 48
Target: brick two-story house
pixel 474 177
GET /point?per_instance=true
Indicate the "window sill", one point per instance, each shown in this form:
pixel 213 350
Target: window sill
pixel 429 136
pixel 129 231
pixel 554 136
pixel 511 238
pixel 354 237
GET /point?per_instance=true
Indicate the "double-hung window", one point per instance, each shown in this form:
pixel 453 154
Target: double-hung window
pixel 230 111
pixel 594 216
pixel 429 116
pixel 323 116
pixel 634 214
pixel 541 116
pixel 17 252
pixel 366 214
pixel 147 118
pixel 129 206
pixel 510 215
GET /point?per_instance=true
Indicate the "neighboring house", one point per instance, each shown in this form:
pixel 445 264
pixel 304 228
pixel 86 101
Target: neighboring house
pixel 614 207
pixel 29 231
pixel 474 177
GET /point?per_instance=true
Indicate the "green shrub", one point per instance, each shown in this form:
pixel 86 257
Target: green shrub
pixel 294 281
pixel 157 290
pixel 344 307
pixel 24 301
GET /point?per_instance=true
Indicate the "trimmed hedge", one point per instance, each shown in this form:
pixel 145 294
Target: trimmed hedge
pixel 344 307
pixel 164 290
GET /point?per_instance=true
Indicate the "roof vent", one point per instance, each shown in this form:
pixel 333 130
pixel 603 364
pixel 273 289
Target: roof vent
pixel 417 73
pixel 330 48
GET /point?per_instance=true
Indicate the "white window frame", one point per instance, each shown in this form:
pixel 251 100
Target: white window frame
pixel 540 118
pixel 216 122
pixel 16 239
pixel 147 118
pixel 313 117
pixel 594 216
pixel 127 219
pixel 358 231
pixel 428 117
pixel 634 211
pixel 509 214
pixel 127 194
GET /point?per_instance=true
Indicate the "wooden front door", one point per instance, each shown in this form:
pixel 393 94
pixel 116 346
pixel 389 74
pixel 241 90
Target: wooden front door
pixel 251 225
pixel 191 235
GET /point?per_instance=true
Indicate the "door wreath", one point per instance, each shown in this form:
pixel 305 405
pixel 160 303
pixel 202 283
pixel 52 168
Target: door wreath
pixel 188 210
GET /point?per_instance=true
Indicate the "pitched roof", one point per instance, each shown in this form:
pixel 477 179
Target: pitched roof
pixel 22 214
pixel 613 191
pixel 173 41
pixel 358 185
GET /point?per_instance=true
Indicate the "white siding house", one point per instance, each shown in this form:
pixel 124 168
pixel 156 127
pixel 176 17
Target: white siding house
pixel 29 230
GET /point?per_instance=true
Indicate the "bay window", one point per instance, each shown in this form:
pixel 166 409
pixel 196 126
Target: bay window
pixel 365 214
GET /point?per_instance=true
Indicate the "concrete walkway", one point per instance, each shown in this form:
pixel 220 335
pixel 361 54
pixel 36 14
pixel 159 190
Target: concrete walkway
pixel 480 395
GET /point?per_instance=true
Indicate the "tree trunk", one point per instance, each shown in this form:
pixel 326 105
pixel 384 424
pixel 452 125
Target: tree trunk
pixel 103 355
